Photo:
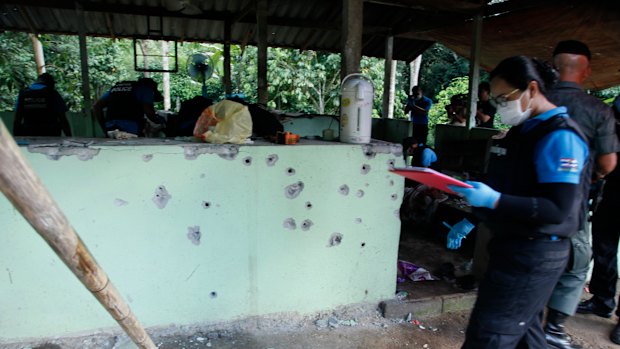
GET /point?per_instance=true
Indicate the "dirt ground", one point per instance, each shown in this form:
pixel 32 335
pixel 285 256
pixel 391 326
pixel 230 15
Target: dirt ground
pixel 352 327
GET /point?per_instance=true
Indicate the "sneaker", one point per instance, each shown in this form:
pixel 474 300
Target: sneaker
pixel 590 306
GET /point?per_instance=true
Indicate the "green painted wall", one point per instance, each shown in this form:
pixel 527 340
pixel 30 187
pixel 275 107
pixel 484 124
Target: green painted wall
pixel 248 261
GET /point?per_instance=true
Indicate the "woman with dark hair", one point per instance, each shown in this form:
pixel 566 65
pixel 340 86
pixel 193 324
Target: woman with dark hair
pixel 530 202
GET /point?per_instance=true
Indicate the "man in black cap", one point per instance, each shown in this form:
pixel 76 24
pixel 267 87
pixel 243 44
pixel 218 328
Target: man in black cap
pixel 126 104
pixel 40 110
pixel 572 59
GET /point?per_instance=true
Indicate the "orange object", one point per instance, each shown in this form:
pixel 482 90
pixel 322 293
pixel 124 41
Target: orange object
pixel 286 138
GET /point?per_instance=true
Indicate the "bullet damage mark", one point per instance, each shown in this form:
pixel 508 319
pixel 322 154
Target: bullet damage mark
pixel 292 191
pixel 358 220
pixel 289 223
pixel 161 197
pixel 391 163
pixel 147 157
pixel 344 189
pixel 363 244
pixel 394 197
pixel 206 204
pixel 194 235
pixel 365 169
pixel 359 193
pixel 306 225
pixel 308 205
pixel 334 240
pixel 10 277
pixel 290 171
pixel 391 182
pixel 192 273
pixel 247 160
pixel 213 294
pixel 225 151
pixel 83 151
pixel 371 150
pixel 272 159
pixel 120 202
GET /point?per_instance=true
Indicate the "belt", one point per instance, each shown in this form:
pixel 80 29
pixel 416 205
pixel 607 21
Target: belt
pixel 546 237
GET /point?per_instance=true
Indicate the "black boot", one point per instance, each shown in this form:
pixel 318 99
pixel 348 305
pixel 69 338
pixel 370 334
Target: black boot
pixel 555 333
pixel 615 334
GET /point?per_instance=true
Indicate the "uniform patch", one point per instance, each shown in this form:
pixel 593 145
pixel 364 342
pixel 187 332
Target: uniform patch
pixel 568 165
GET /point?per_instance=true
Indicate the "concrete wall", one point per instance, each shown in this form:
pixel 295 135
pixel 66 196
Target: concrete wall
pixel 267 215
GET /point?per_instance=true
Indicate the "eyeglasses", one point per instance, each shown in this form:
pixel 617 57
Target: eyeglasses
pixel 501 101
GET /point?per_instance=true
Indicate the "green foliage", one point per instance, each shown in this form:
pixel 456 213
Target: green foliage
pixel 17 67
pixel 438 114
pixel 439 67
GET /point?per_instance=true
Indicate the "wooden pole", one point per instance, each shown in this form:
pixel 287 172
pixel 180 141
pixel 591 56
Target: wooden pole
pixel 26 192
pixel 261 21
pixel 388 79
pixel 351 40
pixel 474 71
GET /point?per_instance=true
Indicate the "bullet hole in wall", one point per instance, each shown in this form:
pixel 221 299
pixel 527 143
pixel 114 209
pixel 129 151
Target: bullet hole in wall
pixel 334 240
pixel 391 163
pixel 394 196
pixel 363 244
pixel 161 197
pixel 289 223
pixel 206 204
pixel 147 157
pixel 272 159
pixel 359 193
pixel 308 205
pixel 358 220
pixel 344 189
pixel 306 225
pixel 391 182
pixel 292 191
pixel 365 169
pixel 247 161
pixel 290 171
pixel 213 294
pixel 194 235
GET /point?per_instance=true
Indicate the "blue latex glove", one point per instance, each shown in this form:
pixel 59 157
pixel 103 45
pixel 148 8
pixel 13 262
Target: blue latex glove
pixel 458 232
pixel 481 195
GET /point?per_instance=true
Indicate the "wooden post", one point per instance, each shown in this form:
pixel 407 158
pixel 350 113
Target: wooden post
pixel 352 21
pixel 388 79
pixel 39 57
pixel 165 49
pixel 227 79
pixel 414 72
pixel 28 195
pixel 474 71
pixel 261 20
pixel 87 106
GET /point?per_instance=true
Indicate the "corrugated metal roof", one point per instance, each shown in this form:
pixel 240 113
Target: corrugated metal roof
pixel 529 27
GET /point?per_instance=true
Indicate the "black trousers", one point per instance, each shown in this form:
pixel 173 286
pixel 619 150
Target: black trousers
pixel 513 294
pixel 605 236
pixel 420 132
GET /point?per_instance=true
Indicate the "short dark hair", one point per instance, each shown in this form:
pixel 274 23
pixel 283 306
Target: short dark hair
pixel 574 47
pixel 408 142
pixel 416 89
pixel 47 79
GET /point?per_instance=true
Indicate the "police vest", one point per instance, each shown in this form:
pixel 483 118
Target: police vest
pixel 416 156
pixel 35 107
pixel 122 103
pixel 512 171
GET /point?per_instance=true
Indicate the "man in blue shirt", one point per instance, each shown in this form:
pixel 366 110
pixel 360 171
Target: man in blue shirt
pixel 40 110
pixel 126 104
pixel 419 106
pixel 421 154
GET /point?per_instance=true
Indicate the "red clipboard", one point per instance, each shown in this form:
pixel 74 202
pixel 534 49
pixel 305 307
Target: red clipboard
pixel 430 177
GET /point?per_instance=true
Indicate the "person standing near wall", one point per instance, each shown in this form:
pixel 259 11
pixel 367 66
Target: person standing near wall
pixel 531 204
pixel 572 59
pixel 40 110
pixel 419 106
pixel 605 236
pixel 486 111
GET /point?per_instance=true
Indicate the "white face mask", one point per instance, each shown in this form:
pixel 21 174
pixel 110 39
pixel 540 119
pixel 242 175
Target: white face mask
pixel 511 113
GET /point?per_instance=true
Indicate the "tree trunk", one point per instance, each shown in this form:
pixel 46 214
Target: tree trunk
pixel 39 58
pixel 166 76
pixel 414 75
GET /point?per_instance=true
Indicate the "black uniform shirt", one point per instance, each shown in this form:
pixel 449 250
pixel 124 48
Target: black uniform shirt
pixel 594 117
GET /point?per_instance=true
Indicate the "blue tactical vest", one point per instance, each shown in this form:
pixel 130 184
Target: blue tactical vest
pixel 38 115
pixel 512 171
pixel 122 103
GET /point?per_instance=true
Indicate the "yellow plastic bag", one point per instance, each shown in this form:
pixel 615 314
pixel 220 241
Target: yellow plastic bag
pixel 232 120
